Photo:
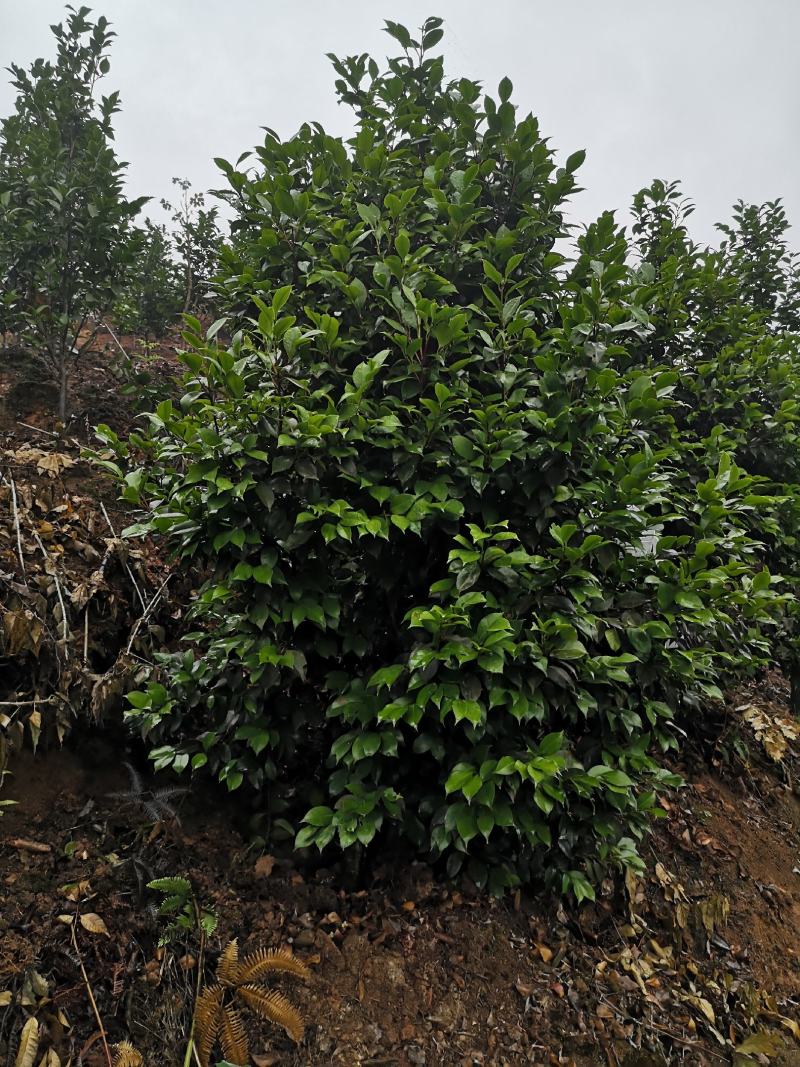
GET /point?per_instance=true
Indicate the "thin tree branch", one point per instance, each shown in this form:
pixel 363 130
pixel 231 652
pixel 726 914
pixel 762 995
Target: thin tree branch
pixel 92 1001
pixel 147 612
pixel 16 526
pixel 127 568
pixel 64 624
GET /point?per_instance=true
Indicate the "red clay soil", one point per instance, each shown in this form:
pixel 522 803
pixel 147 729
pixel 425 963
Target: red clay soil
pixel 406 971
pixel 29 399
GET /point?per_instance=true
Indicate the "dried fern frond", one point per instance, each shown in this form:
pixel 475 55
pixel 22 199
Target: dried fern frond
pixel 136 787
pixel 167 792
pixel 155 803
pixel 218 1019
pixel 233 1038
pixel 161 801
pixel 127 1055
pixel 270 1004
pixel 228 966
pixel 153 811
pixel 135 777
pixel 268 960
pixel 208 1020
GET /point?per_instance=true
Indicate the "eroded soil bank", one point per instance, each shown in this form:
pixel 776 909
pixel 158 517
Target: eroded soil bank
pixel 677 968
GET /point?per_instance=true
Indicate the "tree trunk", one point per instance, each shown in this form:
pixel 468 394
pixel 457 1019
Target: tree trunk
pixel 62 387
pixel 794 699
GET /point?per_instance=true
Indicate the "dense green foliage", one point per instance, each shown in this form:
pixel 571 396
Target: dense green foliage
pixel 485 528
pixel 63 217
pixel 728 320
pixel 151 298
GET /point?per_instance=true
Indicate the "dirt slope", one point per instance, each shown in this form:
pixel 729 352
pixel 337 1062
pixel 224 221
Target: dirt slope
pixel 406 971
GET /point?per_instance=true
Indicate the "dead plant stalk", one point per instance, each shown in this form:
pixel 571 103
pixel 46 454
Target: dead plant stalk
pixel 191 1048
pixel 147 612
pixel 16 527
pixel 127 567
pixel 64 624
pixel 92 1001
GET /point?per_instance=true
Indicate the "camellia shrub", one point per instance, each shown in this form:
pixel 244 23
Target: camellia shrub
pixel 468 578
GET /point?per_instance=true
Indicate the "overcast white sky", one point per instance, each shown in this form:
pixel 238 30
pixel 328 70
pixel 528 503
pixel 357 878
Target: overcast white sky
pixel 707 91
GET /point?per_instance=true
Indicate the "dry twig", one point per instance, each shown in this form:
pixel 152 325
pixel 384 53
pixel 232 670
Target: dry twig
pixel 28 703
pixel 113 336
pixel 127 567
pixel 16 526
pixel 147 612
pixel 64 623
pixel 92 1001
pixel 38 429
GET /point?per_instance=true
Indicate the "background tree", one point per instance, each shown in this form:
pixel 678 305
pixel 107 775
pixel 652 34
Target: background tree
pixel 197 240
pixel 727 319
pixel 757 255
pixel 64 218
pixel 153 293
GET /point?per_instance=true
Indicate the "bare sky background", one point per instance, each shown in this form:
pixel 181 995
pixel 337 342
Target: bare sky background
pixel 707 91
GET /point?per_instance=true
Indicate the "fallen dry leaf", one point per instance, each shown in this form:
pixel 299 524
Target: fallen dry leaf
pixel 75 890
pixel 53 463
pixel 264 866
pixel 34 989
pixel 92 922
pixel 702 1005
pixel 545 952
pixel 28 1044
pixel 775 732
pixel 761 1044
